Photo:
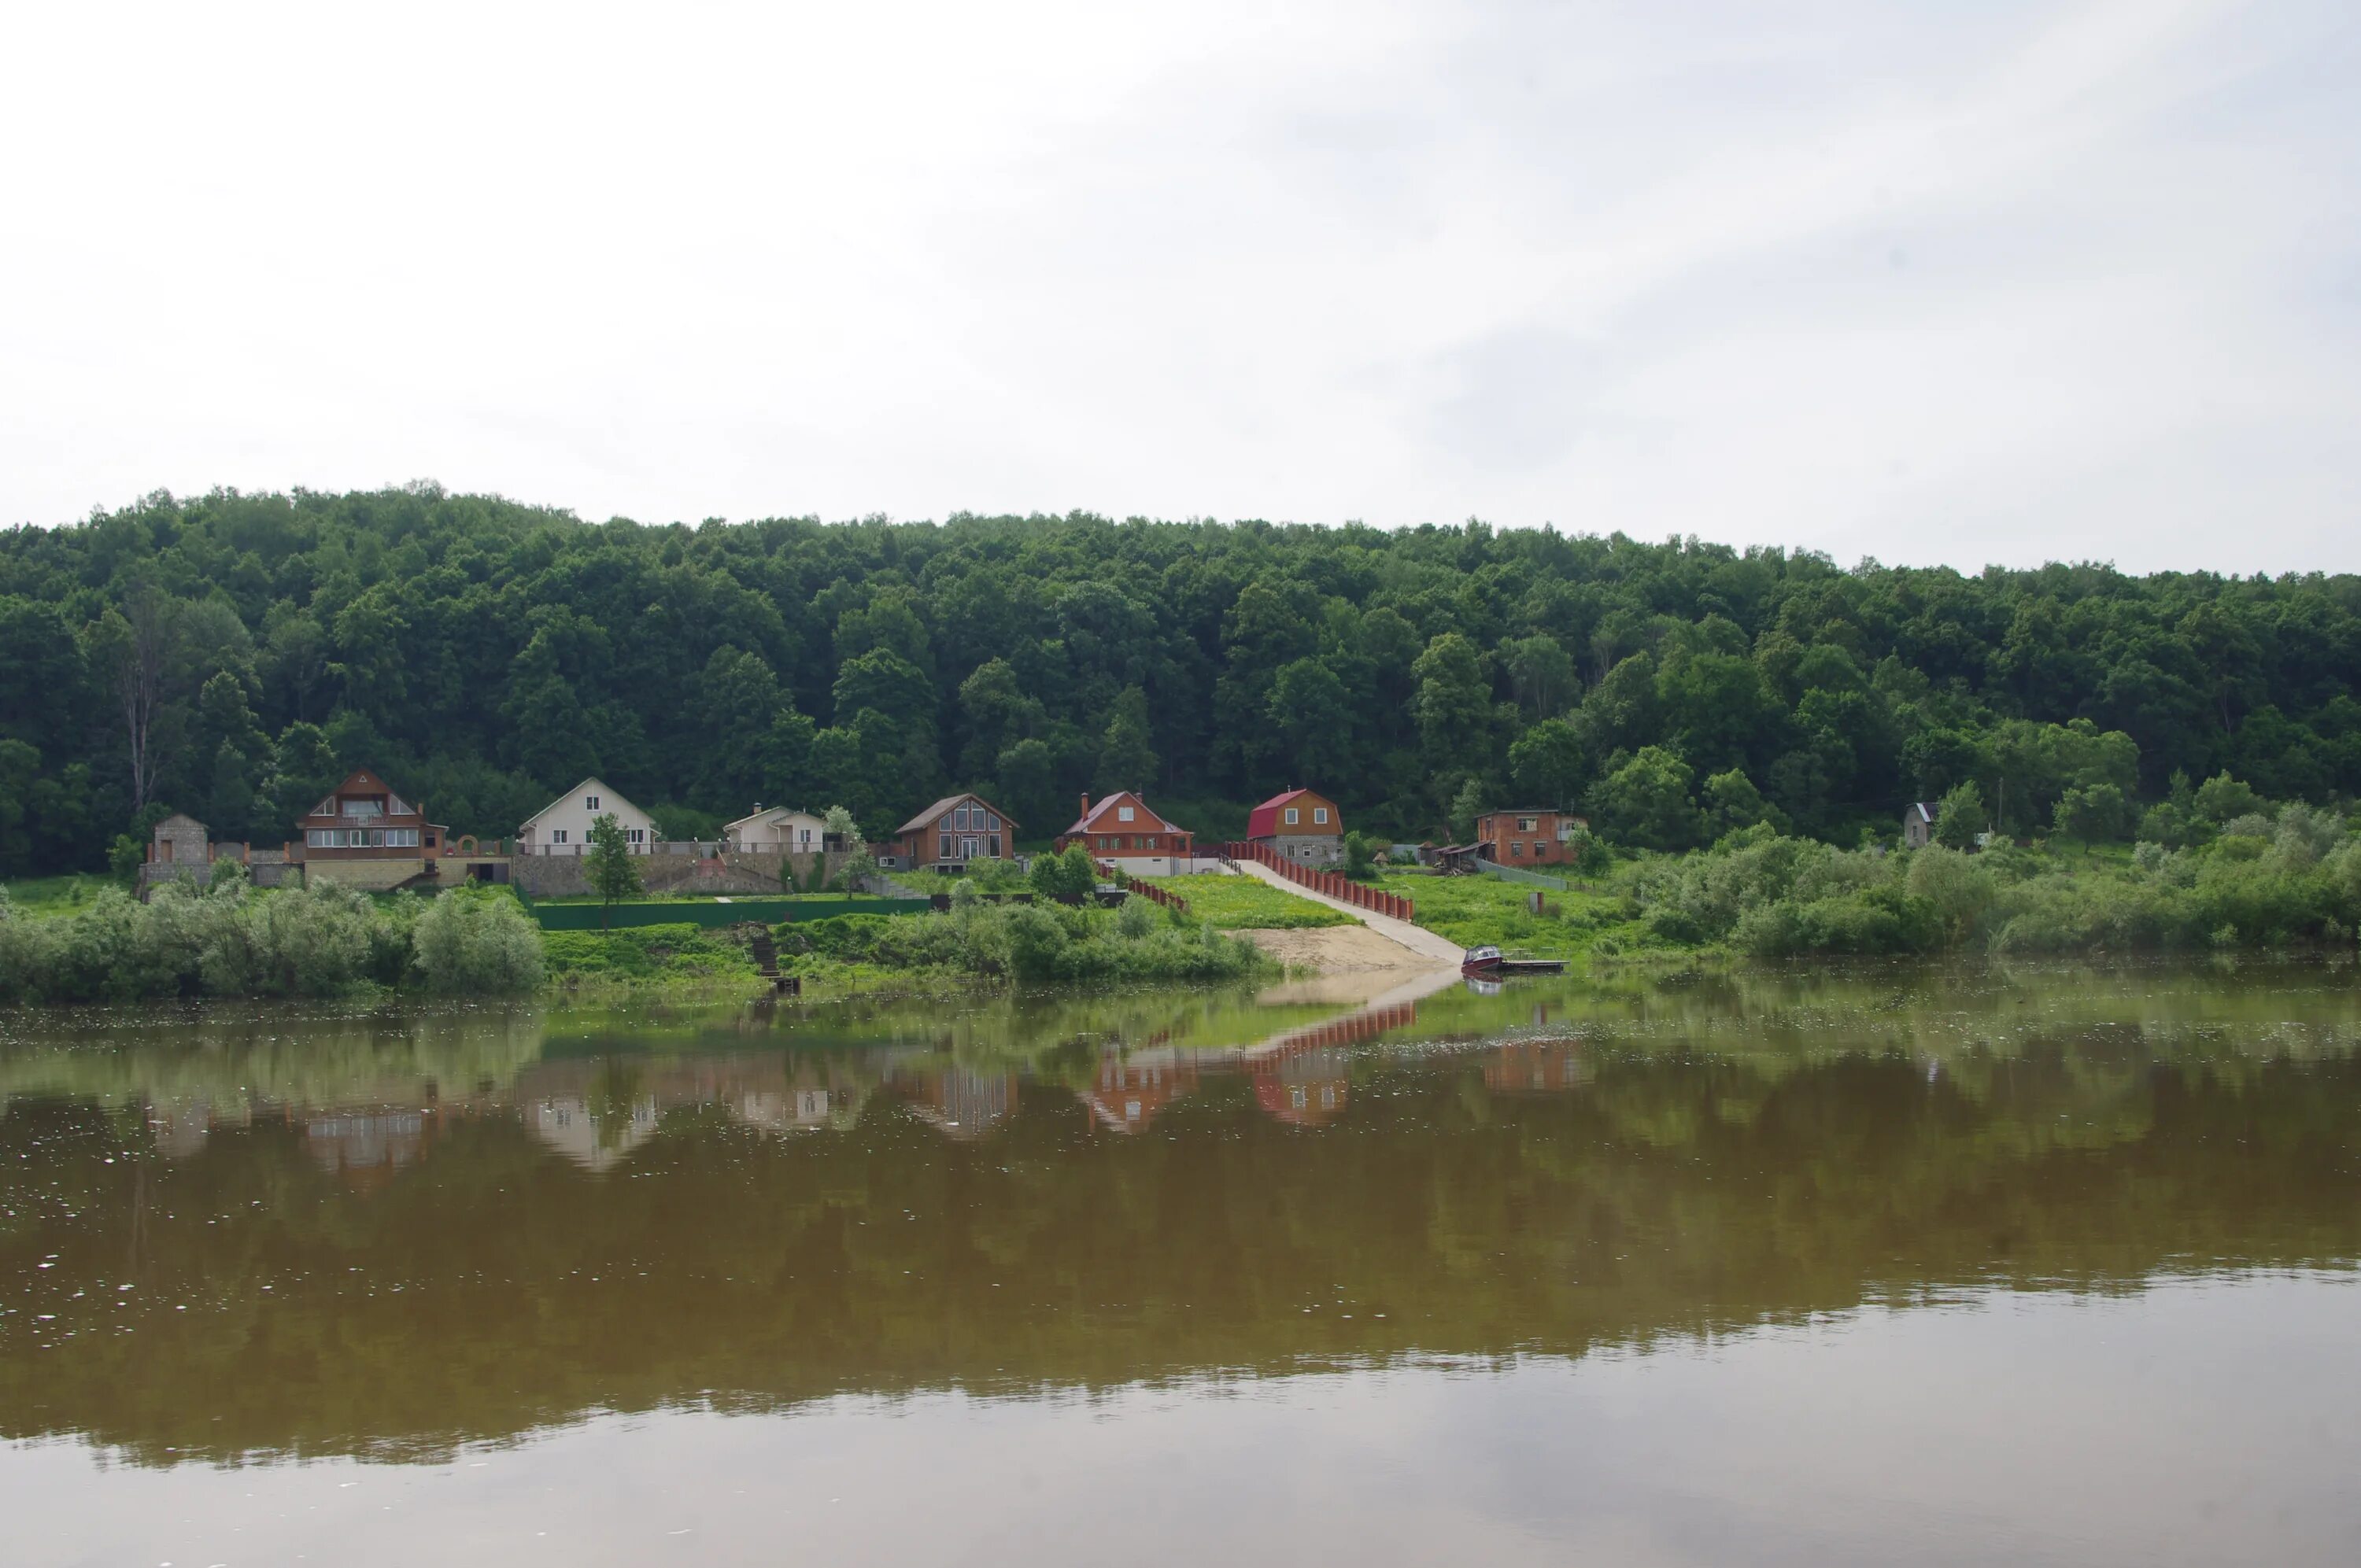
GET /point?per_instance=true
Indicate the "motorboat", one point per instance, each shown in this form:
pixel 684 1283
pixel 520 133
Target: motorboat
pixel 1489 962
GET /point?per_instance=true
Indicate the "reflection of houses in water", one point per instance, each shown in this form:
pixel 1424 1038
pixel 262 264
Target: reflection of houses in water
pixel 365 1149
pixel 566 1123
pixel 1306 1088
pixel 596 1111
pixel 1126 1096
pixel 181 1131
pixel 1535 1068
pixel 1302 1076
pixel 779 1100
pixel 960 1102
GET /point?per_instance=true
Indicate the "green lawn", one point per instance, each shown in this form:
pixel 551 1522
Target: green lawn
pixel 54 897
pixel 1245 903
pixel 700 897
pixel 1474 910
pixel 640 954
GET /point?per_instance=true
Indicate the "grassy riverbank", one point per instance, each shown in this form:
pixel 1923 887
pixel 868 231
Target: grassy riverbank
pixel 980 944
pixel 1246 903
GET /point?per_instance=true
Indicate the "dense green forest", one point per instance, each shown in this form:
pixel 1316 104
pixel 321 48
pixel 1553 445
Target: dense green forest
pixel 230 655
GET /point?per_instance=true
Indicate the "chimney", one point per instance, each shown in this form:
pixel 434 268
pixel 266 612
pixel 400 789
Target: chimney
pixel 758 805
pixel 1086 803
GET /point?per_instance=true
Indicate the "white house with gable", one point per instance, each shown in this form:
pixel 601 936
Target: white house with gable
pixel 563 827
pixel 782 829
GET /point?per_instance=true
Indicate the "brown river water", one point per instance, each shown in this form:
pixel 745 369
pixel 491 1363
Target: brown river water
pixel 2048 1263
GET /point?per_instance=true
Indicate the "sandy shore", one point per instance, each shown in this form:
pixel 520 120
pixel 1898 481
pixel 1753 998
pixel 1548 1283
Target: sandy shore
pixel 1337 949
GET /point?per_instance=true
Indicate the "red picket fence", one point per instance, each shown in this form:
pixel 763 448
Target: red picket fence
pixel 1329 882
pixel 1132 885
pixel 1154 895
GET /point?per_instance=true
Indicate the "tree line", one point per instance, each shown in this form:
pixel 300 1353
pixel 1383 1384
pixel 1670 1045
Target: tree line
pixel 232 656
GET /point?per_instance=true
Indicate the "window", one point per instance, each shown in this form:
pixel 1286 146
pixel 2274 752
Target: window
pixel 959 817
pixel 636 835
pixel 1517 849
pixel 1319 815
pixel 1122 813
pixel 557 835
pixel 591 802
pixel 1528 823
pixel 1293 817
pixel 992 846
pixel 992 820
pixel 943 848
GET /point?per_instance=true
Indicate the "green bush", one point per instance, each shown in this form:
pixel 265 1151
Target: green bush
pixel 2289 879
pixel 476 941
pixel 234 940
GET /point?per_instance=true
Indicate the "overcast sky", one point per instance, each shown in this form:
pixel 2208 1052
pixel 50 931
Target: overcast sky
pixel 1956 281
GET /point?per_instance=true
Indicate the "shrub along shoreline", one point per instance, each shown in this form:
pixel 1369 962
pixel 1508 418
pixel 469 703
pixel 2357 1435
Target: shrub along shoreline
pixel 233 940
pixel 2289 879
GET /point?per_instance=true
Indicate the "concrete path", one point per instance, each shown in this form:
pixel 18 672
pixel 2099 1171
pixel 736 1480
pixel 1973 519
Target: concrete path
pixel 1418 939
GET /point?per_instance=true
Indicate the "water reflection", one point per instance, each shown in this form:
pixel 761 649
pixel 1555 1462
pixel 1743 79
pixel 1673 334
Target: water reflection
pixel 388 1235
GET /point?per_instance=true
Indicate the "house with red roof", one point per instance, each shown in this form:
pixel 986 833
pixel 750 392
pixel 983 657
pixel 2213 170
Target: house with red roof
pixel 1124 831
pixel 1302 825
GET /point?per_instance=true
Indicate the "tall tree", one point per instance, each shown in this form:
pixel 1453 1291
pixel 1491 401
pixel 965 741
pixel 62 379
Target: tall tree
pixel 613 874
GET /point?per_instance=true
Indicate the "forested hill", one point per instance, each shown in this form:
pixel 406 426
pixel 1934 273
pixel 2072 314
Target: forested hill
pixel 486 654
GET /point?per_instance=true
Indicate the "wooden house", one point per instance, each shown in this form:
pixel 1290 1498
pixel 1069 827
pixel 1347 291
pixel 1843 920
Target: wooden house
pixel 1302 825
pixel 952 832
pixel 1124 831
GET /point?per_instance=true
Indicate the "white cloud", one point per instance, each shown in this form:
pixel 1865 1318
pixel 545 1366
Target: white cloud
pixel 1934 283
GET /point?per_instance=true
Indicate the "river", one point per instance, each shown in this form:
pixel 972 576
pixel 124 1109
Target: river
pixel 2050 1263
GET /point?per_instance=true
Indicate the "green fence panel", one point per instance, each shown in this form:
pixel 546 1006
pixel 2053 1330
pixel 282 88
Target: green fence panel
pixel 710 913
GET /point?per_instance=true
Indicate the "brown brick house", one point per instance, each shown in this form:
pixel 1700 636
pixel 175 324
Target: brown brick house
pixel 365 835
pixel 1529 836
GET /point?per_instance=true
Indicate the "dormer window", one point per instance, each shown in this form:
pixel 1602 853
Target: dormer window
pixel 1123 814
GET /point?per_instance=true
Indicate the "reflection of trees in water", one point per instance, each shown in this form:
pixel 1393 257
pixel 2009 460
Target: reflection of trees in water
pixel 1531 1195
pixel 611 1097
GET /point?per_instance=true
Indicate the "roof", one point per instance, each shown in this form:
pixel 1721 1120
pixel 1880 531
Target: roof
pixel 920 820
pixel 604 790
pixel 1527 811
pixel 1924 808
pixel 178 817
pixel 1088 821
pixel 767 813
pixel 1263 822
pixel 358 781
